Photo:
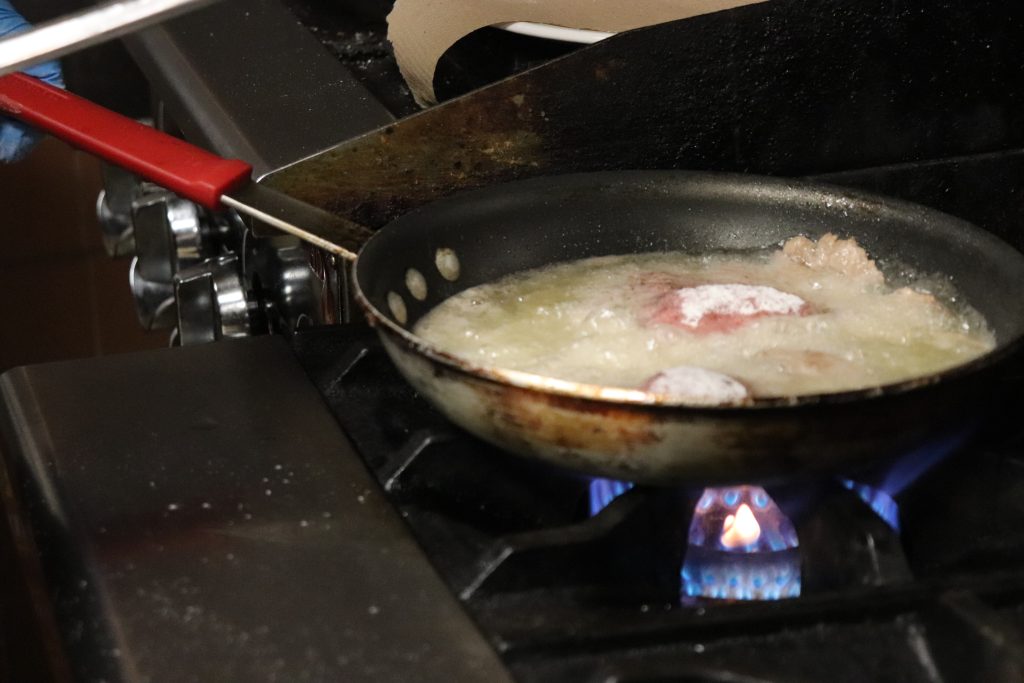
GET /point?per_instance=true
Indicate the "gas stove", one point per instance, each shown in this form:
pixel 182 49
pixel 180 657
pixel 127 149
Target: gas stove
pixel 281 505
pixel 296 512
pixel 913 577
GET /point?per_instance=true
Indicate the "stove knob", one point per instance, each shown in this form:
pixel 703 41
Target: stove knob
pixel 114 210
pixel 211 302
pixel 279 268
pixel 168 234
pixel 154 301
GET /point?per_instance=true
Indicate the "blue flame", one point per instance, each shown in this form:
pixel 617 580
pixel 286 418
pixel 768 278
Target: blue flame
pixel 604 491
pixel 776 531
pixel 908 468
pixel 722 575
pixel 878 500
pixel 880 491
pixel 766 568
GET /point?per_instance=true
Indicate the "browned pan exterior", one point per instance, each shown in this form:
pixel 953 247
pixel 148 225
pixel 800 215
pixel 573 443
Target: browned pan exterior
pixel 671 444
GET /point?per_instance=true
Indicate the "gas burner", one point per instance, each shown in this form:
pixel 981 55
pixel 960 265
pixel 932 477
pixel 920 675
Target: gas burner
pixel 740 546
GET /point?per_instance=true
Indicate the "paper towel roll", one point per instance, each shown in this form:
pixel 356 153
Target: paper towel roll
pixel 422 30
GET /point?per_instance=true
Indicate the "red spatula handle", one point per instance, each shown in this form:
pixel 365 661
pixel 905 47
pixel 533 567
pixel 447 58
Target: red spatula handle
pixel 186 169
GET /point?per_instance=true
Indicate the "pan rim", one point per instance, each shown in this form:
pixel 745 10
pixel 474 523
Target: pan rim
pixel 619 396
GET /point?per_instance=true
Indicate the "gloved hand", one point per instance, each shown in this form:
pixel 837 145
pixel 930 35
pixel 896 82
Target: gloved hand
pixel 16 139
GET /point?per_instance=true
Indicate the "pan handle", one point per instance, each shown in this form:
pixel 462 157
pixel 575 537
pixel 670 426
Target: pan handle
pixel 188 170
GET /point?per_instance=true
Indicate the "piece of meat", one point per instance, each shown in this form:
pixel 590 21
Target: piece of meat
pixel 845 257
pixel 723 307
pixel 697 385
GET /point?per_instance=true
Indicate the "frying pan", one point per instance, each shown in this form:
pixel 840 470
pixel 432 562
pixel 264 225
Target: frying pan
pixel 440 249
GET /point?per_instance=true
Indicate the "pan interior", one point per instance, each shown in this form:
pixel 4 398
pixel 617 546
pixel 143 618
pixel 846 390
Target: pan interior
pixel 509 228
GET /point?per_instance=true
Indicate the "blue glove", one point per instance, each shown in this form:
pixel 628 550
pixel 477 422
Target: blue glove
pixel 16 139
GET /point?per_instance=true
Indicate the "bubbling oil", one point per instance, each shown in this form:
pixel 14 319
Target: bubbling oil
pixel 589 321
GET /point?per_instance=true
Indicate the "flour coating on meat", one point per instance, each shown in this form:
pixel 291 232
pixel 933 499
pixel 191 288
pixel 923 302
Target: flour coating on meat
pixel 697 385
pixel 808 316
pixel 695 303
pixel 718 308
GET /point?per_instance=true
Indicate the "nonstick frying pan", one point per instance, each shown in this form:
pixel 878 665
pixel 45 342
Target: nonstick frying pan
pixel 437 250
